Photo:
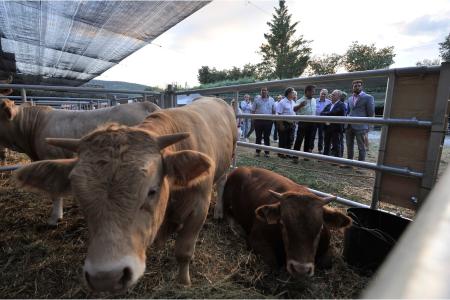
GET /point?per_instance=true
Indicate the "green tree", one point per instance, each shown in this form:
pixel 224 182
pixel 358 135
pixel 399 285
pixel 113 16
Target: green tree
pixel 250 70
pixel 444 49
pixel 428 62
pixel 204 75
pixel 368 57
pixel 327 64
pixel 234 73
pixel 284 55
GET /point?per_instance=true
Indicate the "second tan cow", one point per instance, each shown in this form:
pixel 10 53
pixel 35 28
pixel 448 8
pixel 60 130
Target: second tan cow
pixel 24 129
pixel 284 222
pixel 123 177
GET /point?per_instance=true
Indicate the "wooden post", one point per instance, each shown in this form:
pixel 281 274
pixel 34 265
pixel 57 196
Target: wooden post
pixel 437 134
pixel 422 96
pixel 383 139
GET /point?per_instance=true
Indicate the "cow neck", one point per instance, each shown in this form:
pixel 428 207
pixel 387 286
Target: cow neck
pixel 28 124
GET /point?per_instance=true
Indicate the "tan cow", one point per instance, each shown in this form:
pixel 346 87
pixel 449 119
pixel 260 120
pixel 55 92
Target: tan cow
pixel 24 129
pixel 123 177
pixel 6 92
pixel 284 222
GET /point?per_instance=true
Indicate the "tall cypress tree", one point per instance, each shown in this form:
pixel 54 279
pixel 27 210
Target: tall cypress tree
pixel 284 55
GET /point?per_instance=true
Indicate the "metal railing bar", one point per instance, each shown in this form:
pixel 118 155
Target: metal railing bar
pixel 74 89
pixel 316 79
pixel 56 98
pixel 332 159
pixel 10 168
pixel 342 120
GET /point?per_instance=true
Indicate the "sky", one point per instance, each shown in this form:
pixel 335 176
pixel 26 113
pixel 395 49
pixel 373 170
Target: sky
pixel 227 33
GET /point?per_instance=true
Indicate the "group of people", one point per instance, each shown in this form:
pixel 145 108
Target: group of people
pixel 291 135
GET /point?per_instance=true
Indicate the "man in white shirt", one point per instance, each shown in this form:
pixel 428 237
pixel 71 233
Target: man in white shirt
pixel 305 106
pixel 286 107
pixel 246 107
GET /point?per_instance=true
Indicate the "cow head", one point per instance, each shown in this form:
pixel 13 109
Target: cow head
pixel 121 179
pixel 8 110
pixel 301 217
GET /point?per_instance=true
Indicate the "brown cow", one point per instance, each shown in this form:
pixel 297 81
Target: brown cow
pixel 285 223
pixel 123 177
pixel 24 129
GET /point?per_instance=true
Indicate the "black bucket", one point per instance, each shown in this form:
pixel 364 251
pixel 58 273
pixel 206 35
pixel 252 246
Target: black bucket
pixel 371 237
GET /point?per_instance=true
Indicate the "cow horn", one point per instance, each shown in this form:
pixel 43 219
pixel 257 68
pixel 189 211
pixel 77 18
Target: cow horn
pixel 276 195
pixel 328 200
pixel 170 139
pixel 68 144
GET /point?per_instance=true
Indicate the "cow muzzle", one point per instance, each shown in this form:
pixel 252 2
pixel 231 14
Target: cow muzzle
pixel 297 269
pixel 113 277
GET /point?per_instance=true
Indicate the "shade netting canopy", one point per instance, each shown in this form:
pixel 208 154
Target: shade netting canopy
pixel 71 42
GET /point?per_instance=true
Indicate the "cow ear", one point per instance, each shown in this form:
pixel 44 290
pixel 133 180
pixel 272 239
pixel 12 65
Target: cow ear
pixel 269 214
pixel 335 219
pixel 187 168
pixel 51 176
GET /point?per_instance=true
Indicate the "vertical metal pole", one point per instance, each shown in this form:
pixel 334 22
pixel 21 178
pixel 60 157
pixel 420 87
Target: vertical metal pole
pixel 23 93
pixel 168 99
pixel 438 130
pixel 234 162
pixel 383 138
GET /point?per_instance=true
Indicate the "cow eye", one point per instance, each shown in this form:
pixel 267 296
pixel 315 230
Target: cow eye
pixel 151 192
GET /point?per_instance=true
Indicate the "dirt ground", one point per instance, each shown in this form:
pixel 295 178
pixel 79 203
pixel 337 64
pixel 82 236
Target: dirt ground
pixel 41 262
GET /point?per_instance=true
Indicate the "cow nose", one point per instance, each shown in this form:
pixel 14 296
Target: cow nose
pixel 296 268
pixel 111 281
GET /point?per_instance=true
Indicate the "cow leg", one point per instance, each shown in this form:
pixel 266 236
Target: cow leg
pixel 237 229
pixel 57 211
pixel 218 209
pixel 186 239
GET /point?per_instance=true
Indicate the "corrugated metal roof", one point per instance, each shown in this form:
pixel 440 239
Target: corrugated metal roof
pixel 71 42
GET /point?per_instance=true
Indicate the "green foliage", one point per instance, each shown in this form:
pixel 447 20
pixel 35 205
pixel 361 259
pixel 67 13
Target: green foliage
pixel 428 62
pixel 227 82
pixel 327 64
pixel 444 49
pixel 207 75
pixel 368 57
pixel 284 55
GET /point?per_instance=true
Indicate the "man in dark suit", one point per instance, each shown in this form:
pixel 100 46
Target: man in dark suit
pixel 360 104
pixel 333 131
pixel 341 135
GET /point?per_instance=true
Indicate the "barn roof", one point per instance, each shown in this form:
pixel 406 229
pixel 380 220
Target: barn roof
pixel 71 42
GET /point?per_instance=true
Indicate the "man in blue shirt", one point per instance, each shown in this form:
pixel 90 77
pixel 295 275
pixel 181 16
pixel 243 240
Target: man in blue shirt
pixel 321 103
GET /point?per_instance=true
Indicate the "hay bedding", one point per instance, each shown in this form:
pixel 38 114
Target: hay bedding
pixel 41 262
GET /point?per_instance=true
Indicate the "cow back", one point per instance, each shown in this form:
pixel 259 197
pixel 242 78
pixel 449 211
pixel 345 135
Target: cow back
pixel 76 124
pixel 212 128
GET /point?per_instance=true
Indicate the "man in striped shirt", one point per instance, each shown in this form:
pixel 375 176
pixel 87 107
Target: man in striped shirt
pixel 263 104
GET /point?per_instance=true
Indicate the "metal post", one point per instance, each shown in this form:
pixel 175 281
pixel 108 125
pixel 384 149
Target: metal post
pixel 167 101
pixel 23 93
pixel 437 135
pixel 383 139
